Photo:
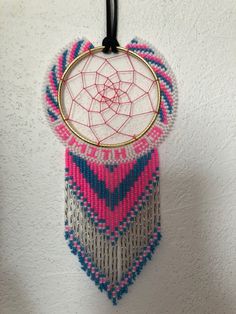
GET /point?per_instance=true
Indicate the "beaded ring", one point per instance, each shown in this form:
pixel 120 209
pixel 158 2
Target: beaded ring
pixel 155 134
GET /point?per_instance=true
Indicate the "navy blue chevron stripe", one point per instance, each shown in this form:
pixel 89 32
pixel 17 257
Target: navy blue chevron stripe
pixel 137 49
pixel 77 50
pixel 54 75
pixel 53 115
pixel 170 108
pixel 161 114
pixel 64 60
pixel 49 94
pixel 112 198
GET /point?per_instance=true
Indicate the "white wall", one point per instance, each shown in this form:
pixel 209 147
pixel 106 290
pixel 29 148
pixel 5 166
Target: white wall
pixel 194 270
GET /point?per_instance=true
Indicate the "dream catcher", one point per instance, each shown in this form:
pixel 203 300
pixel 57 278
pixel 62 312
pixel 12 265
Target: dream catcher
pixel 111 107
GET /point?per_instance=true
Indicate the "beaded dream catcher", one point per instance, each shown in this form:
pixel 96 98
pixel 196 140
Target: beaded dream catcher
pixel 111 107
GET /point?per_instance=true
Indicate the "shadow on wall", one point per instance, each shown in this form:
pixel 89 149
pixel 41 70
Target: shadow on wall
pixel 13 297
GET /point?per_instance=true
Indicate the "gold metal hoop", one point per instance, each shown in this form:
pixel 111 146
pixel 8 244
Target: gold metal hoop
pixel 74 63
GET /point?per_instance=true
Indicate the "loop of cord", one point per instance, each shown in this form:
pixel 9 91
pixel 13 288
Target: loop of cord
pixel 110 42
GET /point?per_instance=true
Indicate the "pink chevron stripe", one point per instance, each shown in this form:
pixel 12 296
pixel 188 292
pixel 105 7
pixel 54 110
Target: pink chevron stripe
pixel 51 104
pixel 112 179
pixel 52 119
pixel 137 46
pixel 53 85
pixel 167 93
pixel 113 218
pixel 72 52
pixel 150 57
pixel 86 46
pixel 60 67
pixel 67 155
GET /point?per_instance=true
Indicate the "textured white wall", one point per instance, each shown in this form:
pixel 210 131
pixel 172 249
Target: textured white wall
pixel 194 270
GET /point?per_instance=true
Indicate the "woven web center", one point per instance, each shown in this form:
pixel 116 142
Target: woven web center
pixel 109 99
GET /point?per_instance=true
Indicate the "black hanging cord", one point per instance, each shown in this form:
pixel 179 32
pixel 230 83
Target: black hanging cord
pixel 110 42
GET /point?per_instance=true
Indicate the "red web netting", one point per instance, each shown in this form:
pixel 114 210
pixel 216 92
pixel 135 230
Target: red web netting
pixel 109 99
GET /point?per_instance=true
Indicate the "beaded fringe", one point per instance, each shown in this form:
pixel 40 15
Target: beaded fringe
pixel 113 259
